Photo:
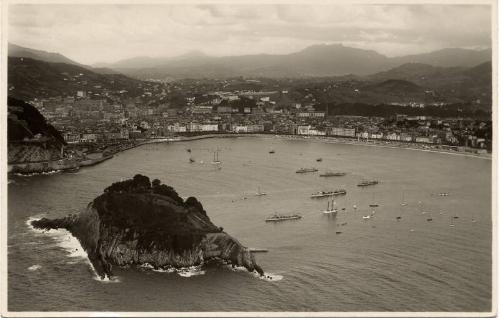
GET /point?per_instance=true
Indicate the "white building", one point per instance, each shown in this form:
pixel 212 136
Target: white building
pixel 345 132
pixel 311 114
pixel 309 131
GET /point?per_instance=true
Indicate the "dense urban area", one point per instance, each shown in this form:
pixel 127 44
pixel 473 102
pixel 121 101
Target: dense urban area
pixel 103 116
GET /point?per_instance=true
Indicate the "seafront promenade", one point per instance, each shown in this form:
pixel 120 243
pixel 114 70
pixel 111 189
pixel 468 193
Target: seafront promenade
pixel 58 165
pixel 461 151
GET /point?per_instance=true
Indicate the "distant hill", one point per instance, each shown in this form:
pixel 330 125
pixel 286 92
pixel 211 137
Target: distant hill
pixel 313 61
pixel 147 62
pixel 394 87
pixel 28 78
pixel 470 84
pixel 50 57
pixel 19 51
pixel 450 57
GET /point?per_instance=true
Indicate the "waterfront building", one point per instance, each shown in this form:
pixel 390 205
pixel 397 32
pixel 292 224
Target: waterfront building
pixel 345 132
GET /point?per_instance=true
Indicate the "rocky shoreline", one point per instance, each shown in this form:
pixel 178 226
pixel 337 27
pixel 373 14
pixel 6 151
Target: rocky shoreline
pixel 138 222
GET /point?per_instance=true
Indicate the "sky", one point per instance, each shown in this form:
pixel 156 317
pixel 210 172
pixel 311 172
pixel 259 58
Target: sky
pixel 107 33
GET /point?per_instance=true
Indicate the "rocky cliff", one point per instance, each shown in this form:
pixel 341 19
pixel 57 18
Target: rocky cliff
pixel 30 137
pixel 137 222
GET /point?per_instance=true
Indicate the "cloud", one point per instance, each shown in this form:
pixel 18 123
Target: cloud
pixel 95 33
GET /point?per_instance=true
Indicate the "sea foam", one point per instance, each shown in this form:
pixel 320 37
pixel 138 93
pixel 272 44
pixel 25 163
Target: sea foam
pixel 34 267
pixel 183 271
pixel 66 241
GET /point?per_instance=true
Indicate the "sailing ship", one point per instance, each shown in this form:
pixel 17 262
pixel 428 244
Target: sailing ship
pixel 260 193
pixel 373 204
pixel 216 157
pixel 278 217
pixel 331 209
pixel 403 202
pixel 305 170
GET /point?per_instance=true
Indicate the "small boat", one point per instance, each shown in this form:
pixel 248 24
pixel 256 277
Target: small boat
pixel 306 170
pixel 373 204
pixel 191 160
pixel 279 218
pixel 403 202
pixel 272 151
pixel 366 183
pixel 398 218
pixel 260 193
pixel 216 158
pixel 338 232
pixel 444 194
pixel 188 150
pixel 332 174
pixel 366 217
pixel 319 159
pixel 429 219
pixel 72 170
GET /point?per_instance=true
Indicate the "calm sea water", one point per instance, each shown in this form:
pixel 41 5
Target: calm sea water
pixel 379 264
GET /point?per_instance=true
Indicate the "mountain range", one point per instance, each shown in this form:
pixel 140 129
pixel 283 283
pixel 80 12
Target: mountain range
pixel 313 61
pixel 28 78
pixel 450 75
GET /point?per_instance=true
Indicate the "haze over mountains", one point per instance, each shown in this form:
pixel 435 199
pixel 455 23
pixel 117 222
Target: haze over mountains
pixel 450 75
pixel 313 61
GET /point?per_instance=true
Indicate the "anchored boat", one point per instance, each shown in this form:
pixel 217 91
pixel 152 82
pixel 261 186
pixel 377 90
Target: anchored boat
pixel 305 170
pixel 331 209
pixel 278 217
pixel 366 183
pixel 332 174
pixel 322 194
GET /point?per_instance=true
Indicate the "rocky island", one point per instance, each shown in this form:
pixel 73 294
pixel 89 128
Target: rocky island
pixel 138 222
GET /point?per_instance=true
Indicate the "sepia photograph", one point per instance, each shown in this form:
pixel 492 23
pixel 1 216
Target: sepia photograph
pixel 251 158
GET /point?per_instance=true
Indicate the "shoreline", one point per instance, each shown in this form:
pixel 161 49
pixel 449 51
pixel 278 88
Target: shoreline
pixel 331 140
pixel 322 139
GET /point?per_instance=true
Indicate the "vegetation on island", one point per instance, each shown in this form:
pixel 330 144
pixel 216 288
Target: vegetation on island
pixel 154 213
